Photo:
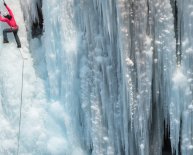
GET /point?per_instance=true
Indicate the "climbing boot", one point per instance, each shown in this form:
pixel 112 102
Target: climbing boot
pixel 5 41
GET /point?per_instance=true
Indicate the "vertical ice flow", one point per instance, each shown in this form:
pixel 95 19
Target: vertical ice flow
pixel 117 76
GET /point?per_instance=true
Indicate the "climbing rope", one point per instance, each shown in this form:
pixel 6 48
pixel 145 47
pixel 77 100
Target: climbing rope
pixel 21 103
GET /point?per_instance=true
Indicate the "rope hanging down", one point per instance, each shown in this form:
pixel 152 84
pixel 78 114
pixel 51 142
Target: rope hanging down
pixel 21 103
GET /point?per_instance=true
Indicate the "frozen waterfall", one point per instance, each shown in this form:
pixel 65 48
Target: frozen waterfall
pixel 102 77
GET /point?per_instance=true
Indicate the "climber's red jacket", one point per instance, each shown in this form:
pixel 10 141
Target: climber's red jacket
pixel 12 22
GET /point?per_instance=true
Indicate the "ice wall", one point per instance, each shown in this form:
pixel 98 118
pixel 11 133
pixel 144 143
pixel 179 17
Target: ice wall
pixel 61 55
pixel 120 71
pixel 129 49
pixel 30 12
pixel 55 61
pixel 184 84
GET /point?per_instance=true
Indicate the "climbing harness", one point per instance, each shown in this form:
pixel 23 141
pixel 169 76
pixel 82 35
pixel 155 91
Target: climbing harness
pixel 21 103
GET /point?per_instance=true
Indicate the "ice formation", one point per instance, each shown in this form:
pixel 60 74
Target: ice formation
pixel 105 77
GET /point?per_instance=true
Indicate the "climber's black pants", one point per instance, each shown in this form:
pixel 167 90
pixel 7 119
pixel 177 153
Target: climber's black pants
pixel 9 30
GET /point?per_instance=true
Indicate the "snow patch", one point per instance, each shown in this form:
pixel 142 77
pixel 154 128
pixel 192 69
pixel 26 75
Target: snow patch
pixel 57 145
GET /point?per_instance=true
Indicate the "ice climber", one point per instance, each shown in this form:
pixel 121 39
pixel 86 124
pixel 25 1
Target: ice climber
pixel 10 20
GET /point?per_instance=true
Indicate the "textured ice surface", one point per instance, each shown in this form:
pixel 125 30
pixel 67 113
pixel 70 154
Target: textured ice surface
pixel 106 78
